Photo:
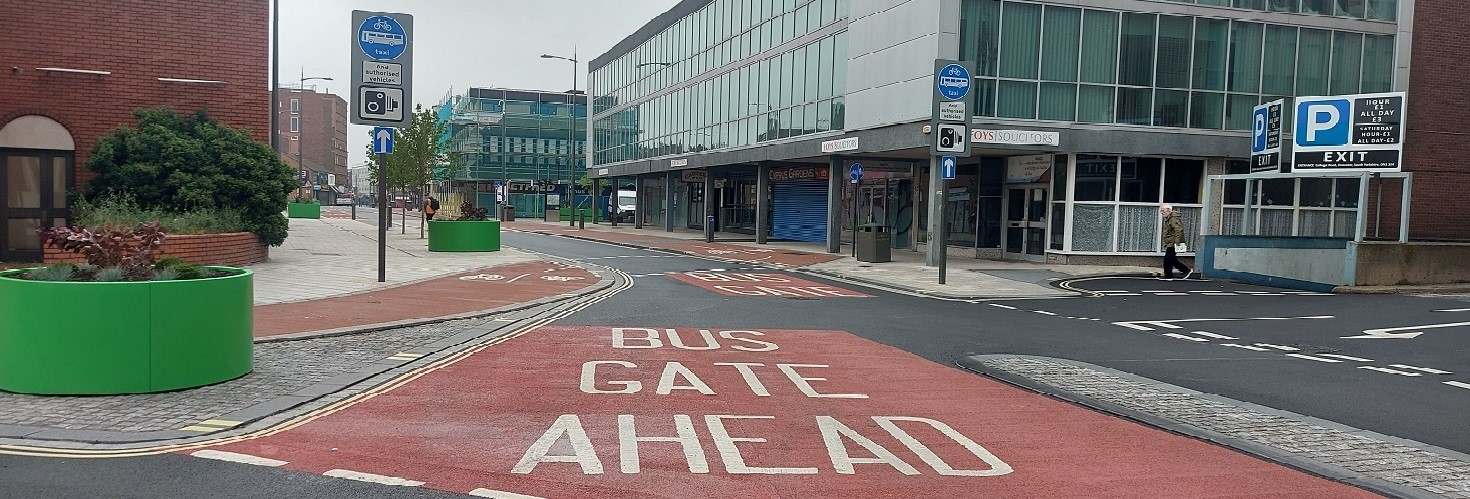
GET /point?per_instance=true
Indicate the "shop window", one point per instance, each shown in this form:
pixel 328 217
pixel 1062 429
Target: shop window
pixel 1182 181
pixel 1059 178
pixel 1140 180
pixel 1097 177
pixel 1235 189
pixel 1347 193
pixel 1092 227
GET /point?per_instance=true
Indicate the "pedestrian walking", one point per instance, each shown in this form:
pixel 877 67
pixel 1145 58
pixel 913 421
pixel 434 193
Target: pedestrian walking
pixel 430 208
pixel 1173 243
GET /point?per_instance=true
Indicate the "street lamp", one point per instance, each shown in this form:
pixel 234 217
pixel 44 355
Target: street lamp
pixel 301 123
pixel 571 125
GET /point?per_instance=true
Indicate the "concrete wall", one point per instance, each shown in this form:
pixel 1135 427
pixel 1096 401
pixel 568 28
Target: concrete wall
pixel 1389 264
pixel 1309 263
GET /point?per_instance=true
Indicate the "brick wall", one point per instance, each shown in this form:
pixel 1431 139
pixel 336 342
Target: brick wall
pixel 139 41
pixel 232 249
pixel 1436 147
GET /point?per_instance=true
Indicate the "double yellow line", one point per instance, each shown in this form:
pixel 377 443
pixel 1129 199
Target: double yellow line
pixel 24 450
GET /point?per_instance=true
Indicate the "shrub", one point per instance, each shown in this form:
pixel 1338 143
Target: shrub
pixel 57 272
pixel 181 164
pixel 468 211
pixel 121 212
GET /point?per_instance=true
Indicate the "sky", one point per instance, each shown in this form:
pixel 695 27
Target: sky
pixel 458 44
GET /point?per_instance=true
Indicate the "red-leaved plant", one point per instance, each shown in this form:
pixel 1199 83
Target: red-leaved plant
pixel 134 250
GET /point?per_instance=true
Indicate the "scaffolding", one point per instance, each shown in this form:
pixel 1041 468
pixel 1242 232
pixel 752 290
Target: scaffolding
pixel 1213 220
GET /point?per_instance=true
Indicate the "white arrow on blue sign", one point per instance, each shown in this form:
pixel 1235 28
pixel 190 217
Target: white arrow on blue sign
pixel 947 167
pixel 856 172
pixel 382 140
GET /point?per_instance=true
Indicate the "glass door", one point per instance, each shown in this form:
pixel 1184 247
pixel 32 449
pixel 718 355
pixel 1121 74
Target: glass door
pixel 1025 234
pixel 33 191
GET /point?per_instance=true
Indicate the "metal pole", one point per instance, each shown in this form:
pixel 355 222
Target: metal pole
pixel 383 218
pixel 937 243
pixel 1362 229
pixel 762 201
pixel 613 200
pixel 835 188
pixel 709 206
pixel 572 131
pixel 1245 216
pixel 1206 217
pixel 276 76
pixel 1404 207
pixel 1378 212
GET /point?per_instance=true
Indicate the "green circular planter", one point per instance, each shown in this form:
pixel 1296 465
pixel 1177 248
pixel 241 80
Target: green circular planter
pixel 464 235
pixel 106 338
pixel 303 210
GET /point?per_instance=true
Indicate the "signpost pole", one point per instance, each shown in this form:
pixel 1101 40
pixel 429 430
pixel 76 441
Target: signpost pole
pixel 937 256
pixel 383 218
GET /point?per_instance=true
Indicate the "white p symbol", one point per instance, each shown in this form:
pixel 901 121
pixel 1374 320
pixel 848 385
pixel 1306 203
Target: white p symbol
pixel 1315 123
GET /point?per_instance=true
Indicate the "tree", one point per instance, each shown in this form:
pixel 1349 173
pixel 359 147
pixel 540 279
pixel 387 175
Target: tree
pixel 180 163
pixel 418 151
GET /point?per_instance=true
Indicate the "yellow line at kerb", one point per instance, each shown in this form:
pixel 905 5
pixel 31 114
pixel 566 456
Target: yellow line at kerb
pixel 408 377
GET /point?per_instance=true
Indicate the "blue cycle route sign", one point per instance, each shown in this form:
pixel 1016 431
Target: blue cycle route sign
pixel 953 82
pixel 856 172
pixel 382 38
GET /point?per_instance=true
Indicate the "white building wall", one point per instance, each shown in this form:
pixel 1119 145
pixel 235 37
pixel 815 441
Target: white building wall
pixel 892 45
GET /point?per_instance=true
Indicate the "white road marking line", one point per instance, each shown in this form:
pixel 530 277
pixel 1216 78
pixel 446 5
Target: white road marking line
pixel 1185 337
pixel 1157 291
pixel 1345 357
pixel 517 278
pixel 1454 310
pixel 1043 312
pixel 1247 347
pixel 1126 294
pixel 1278 347
pixel 1390 371
pixel 500 494
pixel 1458 384
pixel 1007 307
pixel 237 458
pixel 1216 336
pixel 1425 369
pixel 1134 326
pixel 1172 294
pixel 371 478
pixel 1318 359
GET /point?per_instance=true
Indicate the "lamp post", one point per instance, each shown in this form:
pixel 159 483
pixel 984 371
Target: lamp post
pixel 301 123
pixel 571 126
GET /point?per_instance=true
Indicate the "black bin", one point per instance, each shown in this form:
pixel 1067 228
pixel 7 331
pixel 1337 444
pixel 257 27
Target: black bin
pixel 874 243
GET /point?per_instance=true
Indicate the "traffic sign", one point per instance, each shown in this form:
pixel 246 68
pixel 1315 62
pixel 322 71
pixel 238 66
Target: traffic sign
pixel 950 118
pixel 856 172
pixel 382 140
pixel 382 69
pixel 1362 132
pixel 1266 137
pixel 951 138
pixel 947 167
pixel 953 81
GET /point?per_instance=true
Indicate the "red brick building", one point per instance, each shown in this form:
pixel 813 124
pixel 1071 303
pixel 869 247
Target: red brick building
pixel 313 136
pixel 74 70
pixel 1436 147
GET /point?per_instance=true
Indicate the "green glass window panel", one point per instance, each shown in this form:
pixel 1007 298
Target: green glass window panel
pixel 1250 4
pixel 1207 110
pixel 1063 28
pixel 1095 104
pixel 824 67
pixel 1100 47
pixel 782 81
pixel 1136 50
pixel 980 34
pixel 1058 102
pixel 1215 2
pixel 1278 71
pixel 839 65
pixel 1016 99
pixel 1347 60
pixel 1348 8
pixel 1020 40
pixel 1238 111
pixel 1135 106
pixel 813 72
pixel 1171 108
pixel 984 104
pixel 1317 6
pixel 1245 57
pixel 1378 63
pixel 824 115
pixel 1175 36
pixel 798 76
pixel 1211 43
pixel 839 113
pixel 1283 5
pixel 1313 51
pixel 1383 10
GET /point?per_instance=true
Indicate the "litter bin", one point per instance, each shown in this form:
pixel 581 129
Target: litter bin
pixel 874 243
pixel 553 213
pixel 508 213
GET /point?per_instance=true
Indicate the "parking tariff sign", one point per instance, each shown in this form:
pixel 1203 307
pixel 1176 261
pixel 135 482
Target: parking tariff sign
pixel 1362 132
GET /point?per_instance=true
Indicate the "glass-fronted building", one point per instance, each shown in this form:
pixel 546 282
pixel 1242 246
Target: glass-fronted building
pixel 533 142
pixel 1086 115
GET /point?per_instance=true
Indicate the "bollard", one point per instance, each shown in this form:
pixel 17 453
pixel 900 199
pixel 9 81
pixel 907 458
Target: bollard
pixel 581 219
pixel 709 229
pixel 571 219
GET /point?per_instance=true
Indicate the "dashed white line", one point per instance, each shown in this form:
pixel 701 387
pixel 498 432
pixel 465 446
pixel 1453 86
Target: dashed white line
pixel 1007 307
pixel 1390 371
pixel 1043 312
pixel 371 478
pixel 1425 369
pixel 237 458
pixel 500 494
pixel 1278 347
pixel 1318 359
pixel 1247 347
pixel 1216 336
pixel 1185 337
pixel 1454 310
pixel 1345 357
pixel 1172 294
pixel 1458 384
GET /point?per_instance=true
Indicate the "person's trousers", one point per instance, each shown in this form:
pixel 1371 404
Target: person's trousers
pixel 1171 262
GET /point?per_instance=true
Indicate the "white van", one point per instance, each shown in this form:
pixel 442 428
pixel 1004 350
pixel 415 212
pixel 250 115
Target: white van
pixel 627 204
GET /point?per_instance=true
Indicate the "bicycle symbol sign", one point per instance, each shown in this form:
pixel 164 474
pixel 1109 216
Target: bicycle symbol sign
pixel 382 38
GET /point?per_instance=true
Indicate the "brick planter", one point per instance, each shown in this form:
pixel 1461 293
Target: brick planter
pixel 233 249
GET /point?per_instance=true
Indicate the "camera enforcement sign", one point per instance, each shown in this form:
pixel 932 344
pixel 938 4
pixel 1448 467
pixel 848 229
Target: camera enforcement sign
pixel 382 68
pixel 1363 132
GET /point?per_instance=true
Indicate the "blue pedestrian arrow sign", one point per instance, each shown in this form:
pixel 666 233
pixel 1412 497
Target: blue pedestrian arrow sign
pixel 953 82
pixel 947 167
pixel 382 38
pixel 856 172
pixel 382 140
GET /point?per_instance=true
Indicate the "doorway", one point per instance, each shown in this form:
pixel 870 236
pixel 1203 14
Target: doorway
pixel 1026 212
pixel 33 187
pixel 885 201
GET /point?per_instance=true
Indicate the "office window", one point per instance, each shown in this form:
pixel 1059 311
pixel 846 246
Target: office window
pixel 980 35
pixel 1171 108
pixel 1313 53
pixel 1058 101
pixel 295 105
pixel 1135 106
pixel 1100 48
pixel 1016 99
pixel 1136 50
pixel 1378 63
pixel 1347 57
pixel 1207 110
pixel 1245 57
pixel 1095 104
pixel 1175 35
pixel 295 124
pixel 1211 42
pixel 1063 28
pixel 1278 74
pixel 1020 40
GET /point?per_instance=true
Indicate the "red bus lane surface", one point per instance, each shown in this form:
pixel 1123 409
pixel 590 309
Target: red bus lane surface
pixel 768 285
pixel 588 411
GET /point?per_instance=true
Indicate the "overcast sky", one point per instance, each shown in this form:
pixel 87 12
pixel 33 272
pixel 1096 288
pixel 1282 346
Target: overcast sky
pixel 458 44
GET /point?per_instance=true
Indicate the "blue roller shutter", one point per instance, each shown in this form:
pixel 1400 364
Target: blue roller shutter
pixel 799 211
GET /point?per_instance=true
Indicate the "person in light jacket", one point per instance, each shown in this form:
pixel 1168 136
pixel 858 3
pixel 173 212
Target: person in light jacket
pixel 1173 237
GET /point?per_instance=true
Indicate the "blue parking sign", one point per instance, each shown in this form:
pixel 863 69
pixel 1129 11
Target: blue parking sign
pixel 1324 122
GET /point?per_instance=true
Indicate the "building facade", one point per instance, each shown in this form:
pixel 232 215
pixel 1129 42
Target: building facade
pixel 313 139
pixel 531 141
pixel 1087 116
pixel 71 75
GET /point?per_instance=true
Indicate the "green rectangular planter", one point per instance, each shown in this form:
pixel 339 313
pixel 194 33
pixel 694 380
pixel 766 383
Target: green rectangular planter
pixel 464 235
pixel 303 210
pixel 104 338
